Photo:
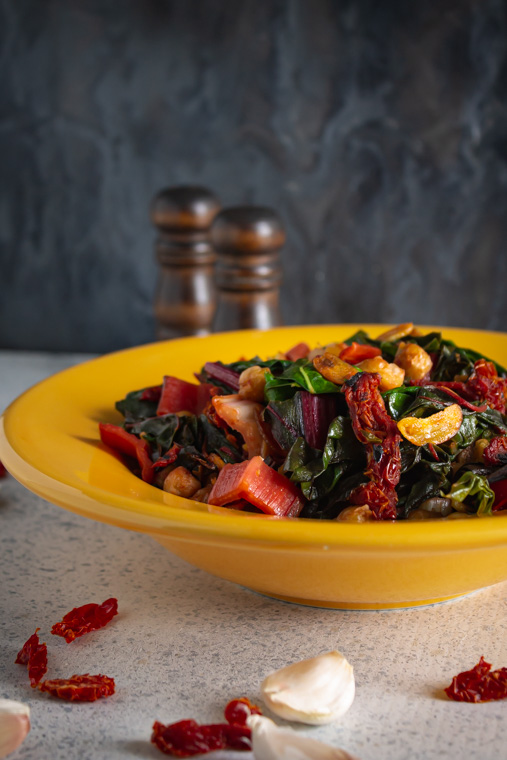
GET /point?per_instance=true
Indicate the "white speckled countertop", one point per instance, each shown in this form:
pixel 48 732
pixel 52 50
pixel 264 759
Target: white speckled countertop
pixel 185 643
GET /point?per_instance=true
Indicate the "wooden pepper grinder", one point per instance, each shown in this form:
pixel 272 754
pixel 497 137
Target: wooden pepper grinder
pixel 247 240
pixel 185 297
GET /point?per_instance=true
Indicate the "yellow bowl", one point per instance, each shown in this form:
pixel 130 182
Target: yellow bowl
pixel 49 441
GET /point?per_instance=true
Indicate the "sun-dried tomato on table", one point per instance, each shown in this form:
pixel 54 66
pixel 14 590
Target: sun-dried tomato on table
pixel 79 688
pixel 84 619
pixel 34 655
pixel 378 432
pixel 77 622
pixel 480 684
pixel 3 471
pixel 187 738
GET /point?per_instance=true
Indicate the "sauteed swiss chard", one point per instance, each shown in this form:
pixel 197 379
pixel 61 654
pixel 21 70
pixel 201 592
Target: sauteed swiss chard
pixel 404 425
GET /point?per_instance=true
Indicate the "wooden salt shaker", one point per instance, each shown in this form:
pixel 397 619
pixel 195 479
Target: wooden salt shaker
pixel 185 297
pixel 247 241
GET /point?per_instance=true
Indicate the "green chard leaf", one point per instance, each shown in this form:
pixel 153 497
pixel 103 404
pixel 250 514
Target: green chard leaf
pixel 285 421
pixel 158 431
pixel 425 480
pixel 274 365
pixel 214 441
pixel 493 420
pixel 362 337
pixel 470 485
pixel 318 473
pixel 399 400
pixel 134 408
pixel 341 443
pixel 298 375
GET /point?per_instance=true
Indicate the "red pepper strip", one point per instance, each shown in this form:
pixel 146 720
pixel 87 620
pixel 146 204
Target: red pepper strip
pixel 88 617
pixel 500 491
pixel 85 688
pixel 127 443
pixel 258 484
pixel 379 433
pixel 151 394
pixel 3 471
pixel 180 396
pixel 357 352
pixel 35 656
pixel 298 351
pixel 481 684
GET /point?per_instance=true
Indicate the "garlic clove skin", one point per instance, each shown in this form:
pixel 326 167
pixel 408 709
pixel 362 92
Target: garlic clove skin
pixel 14 725
pixel 269 742
pixel 314 691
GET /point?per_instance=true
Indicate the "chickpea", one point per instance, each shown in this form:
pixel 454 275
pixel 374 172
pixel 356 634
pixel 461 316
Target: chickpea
pixel 181 482
pixel 414 360
pixel 355 514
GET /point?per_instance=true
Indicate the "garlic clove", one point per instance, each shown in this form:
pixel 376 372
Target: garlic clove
pixel 14 725
pixel 314 691
pixel 269 742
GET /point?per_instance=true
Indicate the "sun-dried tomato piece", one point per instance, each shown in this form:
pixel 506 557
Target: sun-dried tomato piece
pixel 3 471
pixel 480 684
pixel 187 738
pixel 379 433
pixel 495 452
pixel 237 711
pixel 35 656
pixel 81 620
pixel 85 688
pixel 485 385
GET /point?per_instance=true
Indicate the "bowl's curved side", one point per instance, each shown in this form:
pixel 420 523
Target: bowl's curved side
pixel 344 577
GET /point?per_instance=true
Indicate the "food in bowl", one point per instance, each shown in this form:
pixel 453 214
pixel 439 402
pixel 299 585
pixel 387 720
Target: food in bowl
pixel 402 426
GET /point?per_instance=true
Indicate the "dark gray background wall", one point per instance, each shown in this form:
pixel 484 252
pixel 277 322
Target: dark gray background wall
pixel 378 130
